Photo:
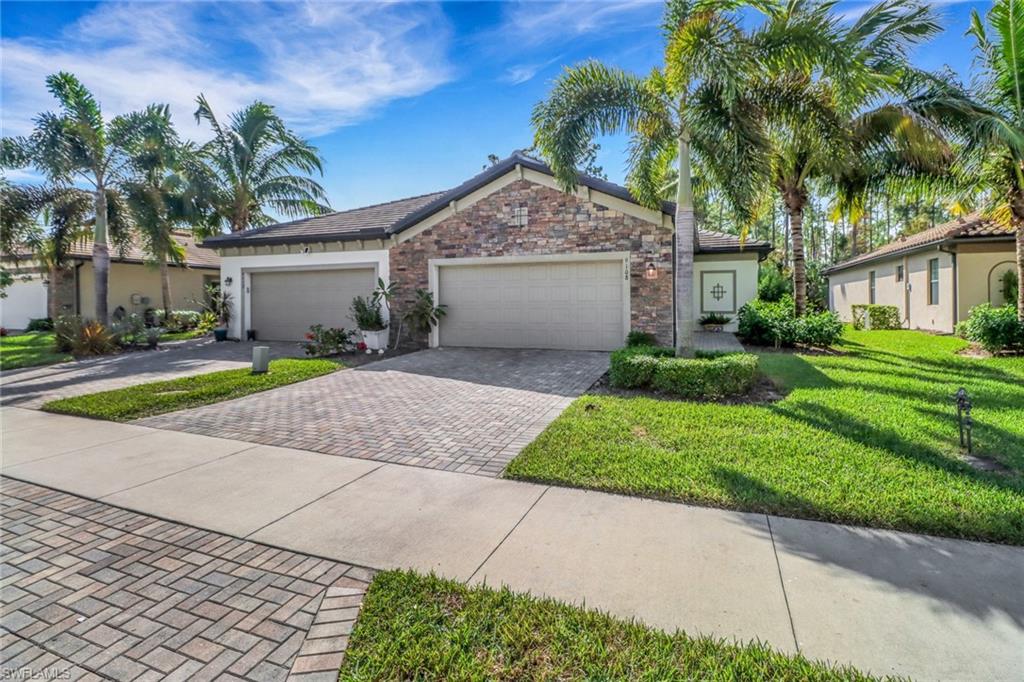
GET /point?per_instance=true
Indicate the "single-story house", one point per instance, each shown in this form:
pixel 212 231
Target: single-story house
pixel 134 284
pixel 518 262
pixel 933 277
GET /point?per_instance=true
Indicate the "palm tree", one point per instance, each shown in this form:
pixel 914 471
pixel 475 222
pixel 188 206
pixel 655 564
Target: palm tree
pixel 251 163
pixel 696 106
pixel 44 223
pixel 991 121
pixel 157 190
pixel 867 63
pixel 71 145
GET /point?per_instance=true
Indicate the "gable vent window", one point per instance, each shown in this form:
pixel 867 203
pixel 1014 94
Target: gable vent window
pixel 520 216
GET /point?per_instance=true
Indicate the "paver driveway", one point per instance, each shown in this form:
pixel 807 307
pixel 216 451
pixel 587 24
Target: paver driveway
pixel 466 410
pixel 33 386
pixel 94 592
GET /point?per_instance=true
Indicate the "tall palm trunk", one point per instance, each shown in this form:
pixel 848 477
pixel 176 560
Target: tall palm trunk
pixel 165 286
pixel 854 236
pixel 53 293
pixel 685 226
pixel 101 255
pixel 796 229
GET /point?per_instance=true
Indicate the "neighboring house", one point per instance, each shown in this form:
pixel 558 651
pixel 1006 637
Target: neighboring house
pixel 133 285
pixel 517 262
pixel 933 277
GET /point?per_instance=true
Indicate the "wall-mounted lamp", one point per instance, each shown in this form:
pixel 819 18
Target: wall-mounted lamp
pixel 228 281
pixel 651 271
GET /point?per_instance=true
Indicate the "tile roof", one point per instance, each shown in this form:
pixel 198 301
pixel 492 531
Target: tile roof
pixel 380 221
pixel 366 222
pixel 195 255
pixel 967 227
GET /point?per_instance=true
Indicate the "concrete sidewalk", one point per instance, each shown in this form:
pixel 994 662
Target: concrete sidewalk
pixel 886 602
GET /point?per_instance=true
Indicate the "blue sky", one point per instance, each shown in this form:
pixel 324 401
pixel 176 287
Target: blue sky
pixel 402 99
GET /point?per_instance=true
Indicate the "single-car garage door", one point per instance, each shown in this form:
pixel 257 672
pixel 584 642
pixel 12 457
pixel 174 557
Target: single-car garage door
pixel 571 305
pixel 286 303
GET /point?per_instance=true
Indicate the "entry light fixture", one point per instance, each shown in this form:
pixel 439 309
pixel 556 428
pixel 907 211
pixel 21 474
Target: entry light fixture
pixel 228 281
pixel 651 271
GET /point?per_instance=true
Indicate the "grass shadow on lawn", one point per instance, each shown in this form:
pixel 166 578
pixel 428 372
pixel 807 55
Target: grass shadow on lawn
pixel 930 566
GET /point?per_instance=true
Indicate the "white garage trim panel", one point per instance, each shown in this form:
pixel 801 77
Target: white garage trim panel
pixel 286 303
pixel 571 302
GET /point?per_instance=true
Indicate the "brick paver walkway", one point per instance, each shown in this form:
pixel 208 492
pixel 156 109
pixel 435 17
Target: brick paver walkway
pixel 465 410
pixel 103 593
pixel 33 386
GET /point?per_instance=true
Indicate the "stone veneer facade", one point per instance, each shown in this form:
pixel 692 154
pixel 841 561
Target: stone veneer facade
pixel 556 223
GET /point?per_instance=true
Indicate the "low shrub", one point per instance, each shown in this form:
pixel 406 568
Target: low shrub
pixel 876 316
pixel 39 324
pixel 639 338
pixel 774 323
pixel 324 341
pixel 701 377
pixel 633 366
pixel 177 320
pixel 66 329
pixel 772 284
pixel 995 329
pixel 93 339
pixel 129 331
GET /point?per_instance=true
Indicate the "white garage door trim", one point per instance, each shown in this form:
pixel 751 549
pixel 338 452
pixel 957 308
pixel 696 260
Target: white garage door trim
pixel 435 264
pixel 247 306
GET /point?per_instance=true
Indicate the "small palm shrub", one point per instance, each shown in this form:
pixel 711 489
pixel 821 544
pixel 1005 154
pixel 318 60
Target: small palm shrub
pixel 422 314
pixel 639 338
pixel 368 314
pixel 93 339
pixel 994 329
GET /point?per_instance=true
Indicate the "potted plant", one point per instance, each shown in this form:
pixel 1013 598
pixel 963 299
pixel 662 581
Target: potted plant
pixel 219 303
pixel 714 322
pixel 369 318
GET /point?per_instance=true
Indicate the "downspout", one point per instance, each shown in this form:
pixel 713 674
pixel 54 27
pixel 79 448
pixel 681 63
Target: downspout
pixel 956 293
pixel 906 290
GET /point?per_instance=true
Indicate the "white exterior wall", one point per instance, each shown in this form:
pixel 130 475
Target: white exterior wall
pixel 25 300
pixel 723 268
pixel 238 268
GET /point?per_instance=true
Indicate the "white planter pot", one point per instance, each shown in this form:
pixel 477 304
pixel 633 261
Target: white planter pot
pixel 375 340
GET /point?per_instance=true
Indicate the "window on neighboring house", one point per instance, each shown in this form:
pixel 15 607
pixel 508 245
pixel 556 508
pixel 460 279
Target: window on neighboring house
pixel 520 216
pixel 871 287
pixel 899 273
pixel 933 281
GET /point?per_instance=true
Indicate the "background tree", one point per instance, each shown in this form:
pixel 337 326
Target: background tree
pixel 698 105
pixel 76 145
pixel 255 165
pixel 157 190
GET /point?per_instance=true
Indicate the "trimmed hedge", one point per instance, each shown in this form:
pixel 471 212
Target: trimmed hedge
pixel 658 368
pixel 879 316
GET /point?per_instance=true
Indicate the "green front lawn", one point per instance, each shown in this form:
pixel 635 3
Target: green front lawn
pixel 866 437
pixel 424 628
pixel 146 400
pixel 28 350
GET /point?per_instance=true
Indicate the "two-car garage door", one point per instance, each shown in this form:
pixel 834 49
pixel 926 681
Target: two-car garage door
pixel 286 303
pixel 552 304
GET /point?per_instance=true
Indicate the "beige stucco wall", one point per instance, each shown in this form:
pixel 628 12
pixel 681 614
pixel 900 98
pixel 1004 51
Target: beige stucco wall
pixel 128 278
pixel 745 268
pixel 979 268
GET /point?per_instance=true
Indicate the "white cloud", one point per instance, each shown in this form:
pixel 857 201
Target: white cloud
pixel 533 23
pixel 322 64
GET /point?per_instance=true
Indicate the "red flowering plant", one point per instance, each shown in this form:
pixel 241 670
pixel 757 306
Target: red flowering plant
pixel 361 346
pixel 322 341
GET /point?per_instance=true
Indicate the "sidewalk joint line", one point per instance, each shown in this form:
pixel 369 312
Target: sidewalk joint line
pixel 175 473
pixel 84 447
pixel 316 499
pixel 782 583
pixel 511 530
